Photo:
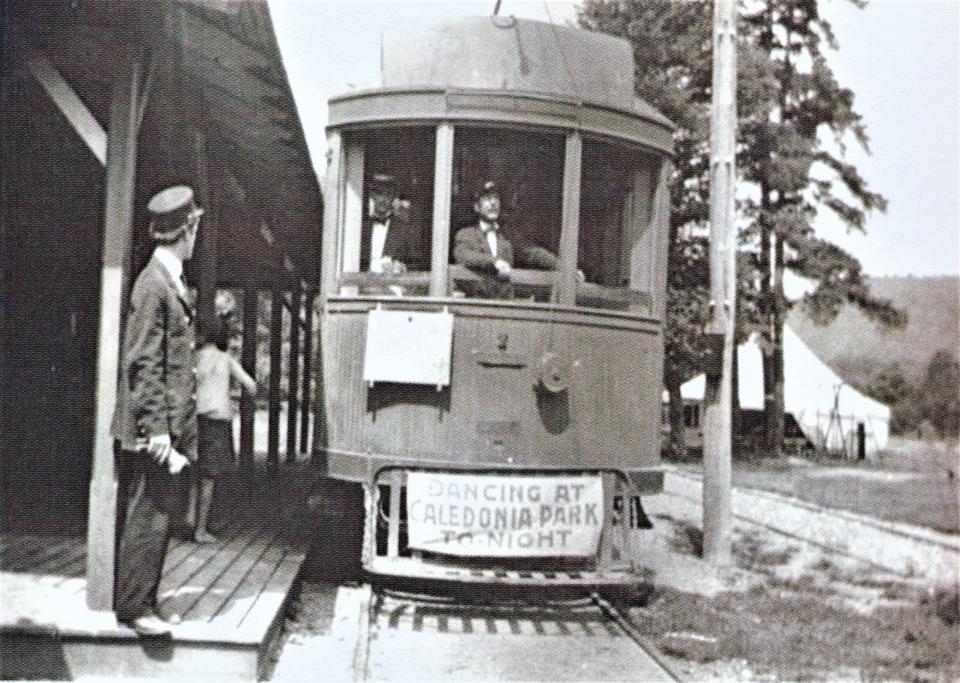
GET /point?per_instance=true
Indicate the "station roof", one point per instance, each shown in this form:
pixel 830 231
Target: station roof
pixel 220 116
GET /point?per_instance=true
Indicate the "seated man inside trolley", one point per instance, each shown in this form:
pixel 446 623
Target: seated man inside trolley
pixel 392 241
pixel 486 250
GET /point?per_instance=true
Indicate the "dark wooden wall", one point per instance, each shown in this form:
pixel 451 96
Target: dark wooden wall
pixel 51 204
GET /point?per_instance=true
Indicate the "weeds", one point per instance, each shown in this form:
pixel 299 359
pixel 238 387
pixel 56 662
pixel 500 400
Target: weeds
pixel 788 631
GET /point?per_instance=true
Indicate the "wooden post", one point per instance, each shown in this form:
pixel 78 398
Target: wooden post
pixel 248 402
pixel 442 189
pixel 114 281
pixel 293 375
pixel 717 450
pixel 307 368
pixel 276 336
pixel 566 292
pixel 332 208
pixel 206 256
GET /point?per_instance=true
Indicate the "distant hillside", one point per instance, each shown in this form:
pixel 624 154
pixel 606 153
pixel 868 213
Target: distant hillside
pixel 855 347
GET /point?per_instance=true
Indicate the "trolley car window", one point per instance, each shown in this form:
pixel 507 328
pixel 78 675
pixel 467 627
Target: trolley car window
pixel 388 223
pixel 525 172
pixel 616 241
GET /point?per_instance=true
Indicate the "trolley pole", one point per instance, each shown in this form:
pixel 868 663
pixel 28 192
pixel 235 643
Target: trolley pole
pixel 717 446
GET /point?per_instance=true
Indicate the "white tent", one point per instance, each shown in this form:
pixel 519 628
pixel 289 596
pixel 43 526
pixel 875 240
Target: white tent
pixel 827 409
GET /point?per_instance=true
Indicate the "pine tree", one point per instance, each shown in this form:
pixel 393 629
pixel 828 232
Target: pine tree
pixel 798 174
pixel 787 97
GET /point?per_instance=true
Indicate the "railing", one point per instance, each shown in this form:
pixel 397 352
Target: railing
pixel 535 284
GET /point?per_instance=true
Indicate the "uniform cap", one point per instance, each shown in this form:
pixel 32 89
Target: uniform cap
pixel 171 211
pixel 487 188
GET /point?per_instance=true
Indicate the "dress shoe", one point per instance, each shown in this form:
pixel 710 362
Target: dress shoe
pixel 172 619
pixel 150 625
pixel 202 536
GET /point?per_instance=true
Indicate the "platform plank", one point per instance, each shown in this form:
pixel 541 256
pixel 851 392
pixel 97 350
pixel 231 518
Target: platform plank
pixel 70 563
pixel 230 582
pixel 31 557
pixel 198 556
pixel 246 595
pixel 272 596
pixel 217 580
pixel 230 594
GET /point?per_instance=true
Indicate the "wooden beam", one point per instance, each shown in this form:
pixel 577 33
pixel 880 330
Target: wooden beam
pixel 293 374
pixel 248 358
pixel 332 203
pixel 276 337
pixel 660 227
pixel 307 369
pixel 353 207
pixel 207 251
pixel 147 88
pixel 71 106
pixel 442 193
pixel 566 294
pixel 120 157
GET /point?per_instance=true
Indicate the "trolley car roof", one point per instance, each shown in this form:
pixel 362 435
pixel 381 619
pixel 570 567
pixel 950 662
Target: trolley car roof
pixel 503 69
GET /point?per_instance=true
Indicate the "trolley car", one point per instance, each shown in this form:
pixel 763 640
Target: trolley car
pixel 496 439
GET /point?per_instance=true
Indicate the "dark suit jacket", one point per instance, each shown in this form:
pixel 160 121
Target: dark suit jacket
pixel 404 243
pixel 157 389
pixel 472 250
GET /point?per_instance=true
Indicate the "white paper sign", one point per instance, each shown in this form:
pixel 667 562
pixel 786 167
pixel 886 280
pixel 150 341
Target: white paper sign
pixel 504 515
pixel 412 347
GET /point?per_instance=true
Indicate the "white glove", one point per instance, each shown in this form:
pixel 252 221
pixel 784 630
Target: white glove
pixel 502 267
pixel 176 462
pixel 159 447
pixel 163 452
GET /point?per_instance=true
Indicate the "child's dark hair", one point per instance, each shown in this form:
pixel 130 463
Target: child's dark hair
pixel 218 333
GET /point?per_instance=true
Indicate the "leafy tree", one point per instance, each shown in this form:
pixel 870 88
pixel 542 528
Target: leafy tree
pixel 783 107
pixel 940 395
pixel 890 385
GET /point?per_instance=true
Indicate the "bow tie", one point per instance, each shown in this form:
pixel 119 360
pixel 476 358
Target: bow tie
pixel 491 227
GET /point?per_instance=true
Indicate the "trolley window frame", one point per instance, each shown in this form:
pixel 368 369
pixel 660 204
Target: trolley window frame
pixel 343 221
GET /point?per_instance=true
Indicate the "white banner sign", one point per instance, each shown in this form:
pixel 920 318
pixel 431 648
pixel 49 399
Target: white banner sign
pixel 504 515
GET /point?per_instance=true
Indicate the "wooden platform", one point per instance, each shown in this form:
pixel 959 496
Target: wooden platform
pixel 230 596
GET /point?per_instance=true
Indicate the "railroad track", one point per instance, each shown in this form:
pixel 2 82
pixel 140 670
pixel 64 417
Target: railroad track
pixel 415 636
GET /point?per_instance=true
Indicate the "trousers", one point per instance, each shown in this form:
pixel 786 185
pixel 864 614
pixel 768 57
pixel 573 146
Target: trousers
pixel 146 492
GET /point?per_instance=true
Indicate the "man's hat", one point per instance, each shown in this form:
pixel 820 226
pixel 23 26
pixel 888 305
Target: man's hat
pixel 487 189
pixel 383 182
pixel 171 211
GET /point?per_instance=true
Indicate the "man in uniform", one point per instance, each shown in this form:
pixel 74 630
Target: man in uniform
pixel 155 422
pixel 484 249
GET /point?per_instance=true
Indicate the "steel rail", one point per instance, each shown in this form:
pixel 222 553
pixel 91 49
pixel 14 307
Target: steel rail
pixel 634 634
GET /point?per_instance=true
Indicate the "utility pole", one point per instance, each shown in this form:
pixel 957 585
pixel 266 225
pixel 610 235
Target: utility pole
pixel 717 446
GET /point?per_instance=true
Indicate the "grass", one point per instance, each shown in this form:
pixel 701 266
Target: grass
pixel 911 484
pixel 788 631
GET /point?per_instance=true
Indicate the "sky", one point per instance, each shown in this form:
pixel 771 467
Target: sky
pixel 900 58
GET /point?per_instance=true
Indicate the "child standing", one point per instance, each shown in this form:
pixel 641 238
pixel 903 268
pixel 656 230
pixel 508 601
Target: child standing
pixel 215 367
